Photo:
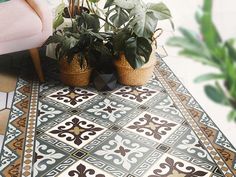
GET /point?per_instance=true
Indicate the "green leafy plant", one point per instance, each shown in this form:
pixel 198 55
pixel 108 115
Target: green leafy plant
pixel 82 39
pixel 134 23
pixel 208 48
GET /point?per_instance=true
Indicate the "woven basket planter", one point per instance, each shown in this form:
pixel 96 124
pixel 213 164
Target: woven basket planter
pixel 72 74
pixel 134 77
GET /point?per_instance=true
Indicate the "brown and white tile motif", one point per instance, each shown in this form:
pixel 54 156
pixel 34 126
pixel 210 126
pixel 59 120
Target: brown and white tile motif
pixel 169 166
pixel 83 169
pixel 122 152
pixel 152 127
pixel 45 157
pixel 76 131
pixel 72 96
pixel 109 109
pixel 137 94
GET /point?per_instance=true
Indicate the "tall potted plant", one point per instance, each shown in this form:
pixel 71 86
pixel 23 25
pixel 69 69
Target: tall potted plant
pixel 77 48
pixel 134 25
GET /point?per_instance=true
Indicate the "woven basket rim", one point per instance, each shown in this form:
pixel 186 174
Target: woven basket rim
pixel 151 63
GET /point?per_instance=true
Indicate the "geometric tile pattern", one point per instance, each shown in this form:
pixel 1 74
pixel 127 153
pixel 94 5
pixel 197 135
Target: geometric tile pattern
pixel 6 98
pixel 7 87
pixel 76 130
pixel 157 130
pixel 152 127
pixel 72 96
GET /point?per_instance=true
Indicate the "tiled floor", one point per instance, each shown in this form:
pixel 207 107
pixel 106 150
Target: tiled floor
pixel 218 113
pixel 9 67
pixel 127 132
pixel 8 79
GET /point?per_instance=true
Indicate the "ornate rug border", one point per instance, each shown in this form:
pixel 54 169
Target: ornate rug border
pixel 17 150
pixel 196 114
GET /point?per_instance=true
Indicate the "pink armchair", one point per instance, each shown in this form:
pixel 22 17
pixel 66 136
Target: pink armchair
pixel 25 25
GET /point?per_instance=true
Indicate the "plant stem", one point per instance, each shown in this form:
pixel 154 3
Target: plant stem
pixel 70 16
pixel 78 7
pixel 71 7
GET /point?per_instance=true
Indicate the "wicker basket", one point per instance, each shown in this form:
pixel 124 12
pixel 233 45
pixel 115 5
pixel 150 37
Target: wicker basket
pixel 72 74
pixel 134 77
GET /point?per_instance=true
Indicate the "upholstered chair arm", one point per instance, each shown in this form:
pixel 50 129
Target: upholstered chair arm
pixel 44 12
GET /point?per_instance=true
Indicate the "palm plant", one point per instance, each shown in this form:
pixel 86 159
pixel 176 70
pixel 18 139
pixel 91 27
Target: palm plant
pixel 209 49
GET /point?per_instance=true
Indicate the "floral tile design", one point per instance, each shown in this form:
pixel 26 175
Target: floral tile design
pixel 137 94
pixel 46 112
pixel 108 109
pixel 167 105
pixel 83 169
pixel 169 166
pixel 122 152
pixel 76 131
pixel 190 144
pixel 71 96
pixel 157 130
pixel 152 126
pixel 45 157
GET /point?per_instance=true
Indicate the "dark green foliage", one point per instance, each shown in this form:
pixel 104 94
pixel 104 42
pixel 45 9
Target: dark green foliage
pixel 81 38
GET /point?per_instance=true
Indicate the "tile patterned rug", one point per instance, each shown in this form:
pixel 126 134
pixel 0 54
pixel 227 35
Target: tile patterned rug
pixel 157 130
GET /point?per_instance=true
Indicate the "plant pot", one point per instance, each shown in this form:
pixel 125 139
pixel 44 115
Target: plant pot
pixel 104 81
pixel 134 77
pixel 72 74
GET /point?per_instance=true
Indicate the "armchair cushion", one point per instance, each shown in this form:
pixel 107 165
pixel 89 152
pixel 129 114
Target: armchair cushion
pixel 18 20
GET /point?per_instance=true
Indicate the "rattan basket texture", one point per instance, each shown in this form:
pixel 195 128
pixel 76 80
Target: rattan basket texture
pixel 72 74
pixel 134 77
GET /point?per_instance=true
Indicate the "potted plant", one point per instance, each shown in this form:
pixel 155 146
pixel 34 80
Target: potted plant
pixel 134 24
pixel 77 47
pixel 64 15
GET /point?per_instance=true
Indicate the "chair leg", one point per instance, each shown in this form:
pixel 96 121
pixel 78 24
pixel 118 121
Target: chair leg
pixel 34 53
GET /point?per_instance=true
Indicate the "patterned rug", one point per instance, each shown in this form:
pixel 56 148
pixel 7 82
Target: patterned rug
pixel 157 130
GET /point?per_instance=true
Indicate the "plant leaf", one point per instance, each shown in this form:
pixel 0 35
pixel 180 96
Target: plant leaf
pixel 208 29
pixel 59 18
pixel 232 115
pixel 89 21
pixel 119 18
pixel 54 39
pixel 60 8
pixel 144 21
pixel 108 3
pixel 119 40
pixel 230 45
pixel 58 21
pixel 126 4
pixel 94 1
pixel 215 94
pixel 206 77
pixel 160 10
pixel 137 51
